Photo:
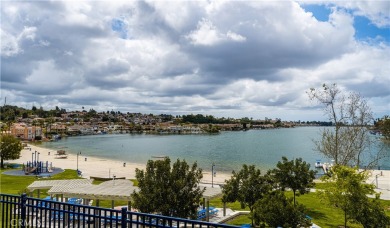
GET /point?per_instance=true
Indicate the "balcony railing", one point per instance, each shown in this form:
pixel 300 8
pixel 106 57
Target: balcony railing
pixel 23 211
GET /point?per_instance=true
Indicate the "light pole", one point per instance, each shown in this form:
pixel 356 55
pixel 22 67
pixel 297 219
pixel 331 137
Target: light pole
pixel 78 162
pixel 1 149
pixel 212 175
pixel 376 179
pixel 38 170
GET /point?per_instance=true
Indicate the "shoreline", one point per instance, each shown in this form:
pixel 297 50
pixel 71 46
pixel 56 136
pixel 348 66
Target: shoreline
pixel 97 166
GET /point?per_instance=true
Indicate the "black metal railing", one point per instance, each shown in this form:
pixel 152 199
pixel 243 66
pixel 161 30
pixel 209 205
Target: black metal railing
pixel 24 211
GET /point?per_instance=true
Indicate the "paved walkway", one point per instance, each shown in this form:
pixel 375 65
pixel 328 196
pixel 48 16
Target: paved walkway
pixel 381 179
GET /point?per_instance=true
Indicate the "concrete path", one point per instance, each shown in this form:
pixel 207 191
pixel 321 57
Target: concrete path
pixel 381 179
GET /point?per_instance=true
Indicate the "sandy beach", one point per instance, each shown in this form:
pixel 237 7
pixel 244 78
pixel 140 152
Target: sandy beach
pixel 95 166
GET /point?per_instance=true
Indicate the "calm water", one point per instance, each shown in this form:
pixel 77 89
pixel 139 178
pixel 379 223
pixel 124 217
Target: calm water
pixel 228 150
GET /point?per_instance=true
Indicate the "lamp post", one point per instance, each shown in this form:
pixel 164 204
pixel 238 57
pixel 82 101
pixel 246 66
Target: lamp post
pixel 1 149
pixel 212 175
pixel 38 170
pixel 35 156
pixel 376 180
pixel 78 153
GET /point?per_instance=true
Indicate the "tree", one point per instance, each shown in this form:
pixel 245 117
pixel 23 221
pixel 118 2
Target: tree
pixel 351 116
pixel 347 189
pixel 8 114
pixel 276 210
pixel 170 191
pixel 295 175
pixel 247 186
pixel 212 129
pixel 371 214
pixel 383 125
pixel 10 148
pixel 25 115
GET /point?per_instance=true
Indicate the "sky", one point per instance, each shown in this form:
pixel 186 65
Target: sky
pixel 236 59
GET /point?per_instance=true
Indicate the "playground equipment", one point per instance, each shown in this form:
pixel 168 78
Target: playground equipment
pixel 37 167
pixel 29 170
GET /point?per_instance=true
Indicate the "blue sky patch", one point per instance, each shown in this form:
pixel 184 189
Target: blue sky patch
pixel 320 12
pixel 119 26
pixel 365 30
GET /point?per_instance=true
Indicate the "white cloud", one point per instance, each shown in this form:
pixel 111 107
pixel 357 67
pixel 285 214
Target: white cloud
pixel 225 57
pixel 47 79
pixel 235 37
pixel 9 44
pixel 205 34
pixel 376 11
pixel 28 33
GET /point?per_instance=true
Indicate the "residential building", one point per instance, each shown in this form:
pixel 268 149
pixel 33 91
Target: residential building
pixel 26 132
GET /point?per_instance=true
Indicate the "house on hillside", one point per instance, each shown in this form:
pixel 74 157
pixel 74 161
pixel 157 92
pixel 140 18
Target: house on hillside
pixel 57 128
pixel 26 132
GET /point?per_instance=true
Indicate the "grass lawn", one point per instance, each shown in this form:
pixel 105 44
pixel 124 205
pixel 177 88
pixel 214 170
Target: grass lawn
pixel 322 214
pixel 108 203
pixel 16 185
pixel 240 220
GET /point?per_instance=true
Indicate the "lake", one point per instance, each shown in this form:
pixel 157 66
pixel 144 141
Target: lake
pixel 227 150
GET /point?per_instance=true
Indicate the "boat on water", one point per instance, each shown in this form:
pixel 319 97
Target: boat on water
pixel 159 157
pixel 376 132
pixel 56 137
pixel 318 164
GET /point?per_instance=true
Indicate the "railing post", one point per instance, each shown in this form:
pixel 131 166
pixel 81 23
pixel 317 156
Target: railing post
pixel 23 210
pixel 124 217
pixel 208 211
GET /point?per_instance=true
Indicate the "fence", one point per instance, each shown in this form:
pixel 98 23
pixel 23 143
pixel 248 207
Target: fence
pixel 23 211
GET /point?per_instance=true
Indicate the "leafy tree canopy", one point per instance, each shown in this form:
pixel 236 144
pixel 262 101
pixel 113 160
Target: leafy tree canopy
pixel 383 125
pixel 247 186
pixel 10 148
pixel 171 191
pixel 294 174
pixel 371 214
pixel 276 210
pixel 208 119
pixel 347 189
